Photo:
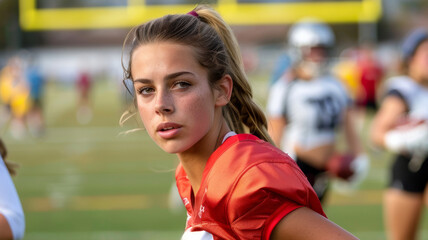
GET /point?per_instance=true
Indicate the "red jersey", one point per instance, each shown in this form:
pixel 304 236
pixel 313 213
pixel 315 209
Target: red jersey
pixel 247 187
pixel 370 76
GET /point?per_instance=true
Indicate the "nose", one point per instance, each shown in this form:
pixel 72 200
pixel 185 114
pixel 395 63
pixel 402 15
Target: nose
pixel 164 102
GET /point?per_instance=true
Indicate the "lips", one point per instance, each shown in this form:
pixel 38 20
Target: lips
pixel 168 130
pixel 167 126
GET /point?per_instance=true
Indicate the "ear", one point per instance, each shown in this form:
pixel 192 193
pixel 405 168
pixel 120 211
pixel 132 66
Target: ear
pixel 224 90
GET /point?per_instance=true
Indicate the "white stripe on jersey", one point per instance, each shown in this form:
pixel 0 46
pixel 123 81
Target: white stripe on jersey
pixel 197 235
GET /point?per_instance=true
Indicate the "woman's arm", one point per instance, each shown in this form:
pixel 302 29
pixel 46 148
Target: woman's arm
pixel 303 223
pixel 390 111
pixel 351 136
pixel 5 231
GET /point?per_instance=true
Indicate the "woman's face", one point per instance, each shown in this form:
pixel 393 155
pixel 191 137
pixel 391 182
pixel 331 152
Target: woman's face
pixel 174 98
pixel 418 67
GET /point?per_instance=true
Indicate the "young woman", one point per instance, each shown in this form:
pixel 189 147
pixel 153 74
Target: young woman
pixel 194 100
pixel 308 105
pixel 12 222
pixel 406 101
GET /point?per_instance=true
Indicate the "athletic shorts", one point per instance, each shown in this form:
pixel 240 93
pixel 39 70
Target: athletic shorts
pixel 404 179
pixel 318 178
pixel 368 104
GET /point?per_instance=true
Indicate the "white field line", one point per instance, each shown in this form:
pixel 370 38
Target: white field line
pixel 91 203
pixel 60 135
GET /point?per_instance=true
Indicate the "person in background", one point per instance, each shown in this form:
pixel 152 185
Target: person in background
pixel 306 107
pixel 346 70
pixel 12 220
pixel 15 95
pixel 84 87
pixel 401 126
pixel 282 66
pixel 370 77
pixel 36 84
pixel 195 101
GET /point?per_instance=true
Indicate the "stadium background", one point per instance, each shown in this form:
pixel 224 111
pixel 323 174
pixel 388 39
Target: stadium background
pixel 89 181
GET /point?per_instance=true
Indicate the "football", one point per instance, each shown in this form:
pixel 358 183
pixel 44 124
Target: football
pixel 340 166
pixel 347 167
pixel 408 135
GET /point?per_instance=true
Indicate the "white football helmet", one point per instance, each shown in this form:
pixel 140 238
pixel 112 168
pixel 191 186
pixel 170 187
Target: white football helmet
pixel 311 33
pixel 303 38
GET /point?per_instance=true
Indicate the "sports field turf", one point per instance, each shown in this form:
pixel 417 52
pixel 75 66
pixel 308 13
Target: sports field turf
pixel 89 182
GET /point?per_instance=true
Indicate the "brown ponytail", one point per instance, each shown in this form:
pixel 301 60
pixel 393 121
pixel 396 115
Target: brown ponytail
pixel 241 110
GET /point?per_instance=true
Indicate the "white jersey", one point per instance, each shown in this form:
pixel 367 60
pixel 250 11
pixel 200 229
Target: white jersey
pixel 414 95
pixel 313 110
pixel 10 206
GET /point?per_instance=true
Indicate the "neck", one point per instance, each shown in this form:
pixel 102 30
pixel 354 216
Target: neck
pixel 195 159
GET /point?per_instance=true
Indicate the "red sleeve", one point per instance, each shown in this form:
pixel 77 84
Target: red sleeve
pixel 276 217
pixel 266 193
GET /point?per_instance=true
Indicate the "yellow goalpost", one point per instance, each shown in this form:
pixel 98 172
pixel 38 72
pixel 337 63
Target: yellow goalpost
pixel 235 12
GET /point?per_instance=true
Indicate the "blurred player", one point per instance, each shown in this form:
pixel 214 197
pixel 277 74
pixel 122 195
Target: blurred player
pixel 346 70
pixel 370 76
pixel 36 83
pixel 12 222
pixel 15 95
pixel 195 101
pixel 84 109
pixel 401 126
pixel 307 105
pixel 282 66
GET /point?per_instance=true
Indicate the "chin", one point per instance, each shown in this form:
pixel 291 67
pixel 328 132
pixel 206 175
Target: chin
pixel 173 147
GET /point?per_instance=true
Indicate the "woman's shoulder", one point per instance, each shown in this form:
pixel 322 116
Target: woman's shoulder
pixel 251 179
pixel 251 158
pixel 402 84
pixel 248 150
pixel 270 180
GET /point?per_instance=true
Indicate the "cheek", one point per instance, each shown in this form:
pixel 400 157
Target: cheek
pixel 200 107
pixel 144 112
pixel 199 113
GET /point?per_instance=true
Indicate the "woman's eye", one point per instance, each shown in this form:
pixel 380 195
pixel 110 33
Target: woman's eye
pixel 145 90
pixel 181 84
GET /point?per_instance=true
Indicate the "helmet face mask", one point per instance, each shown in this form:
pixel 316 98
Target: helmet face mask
pixel 307 70
pixel 311 42
pixel 314 54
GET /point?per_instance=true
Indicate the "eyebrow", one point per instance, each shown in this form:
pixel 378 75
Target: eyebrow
pixel 167 77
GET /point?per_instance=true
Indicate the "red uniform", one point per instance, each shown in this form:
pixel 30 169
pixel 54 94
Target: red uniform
pixel 370 76
pixel 248 186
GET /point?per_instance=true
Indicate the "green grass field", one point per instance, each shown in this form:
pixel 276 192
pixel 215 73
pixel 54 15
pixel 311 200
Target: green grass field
pixel 89 182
